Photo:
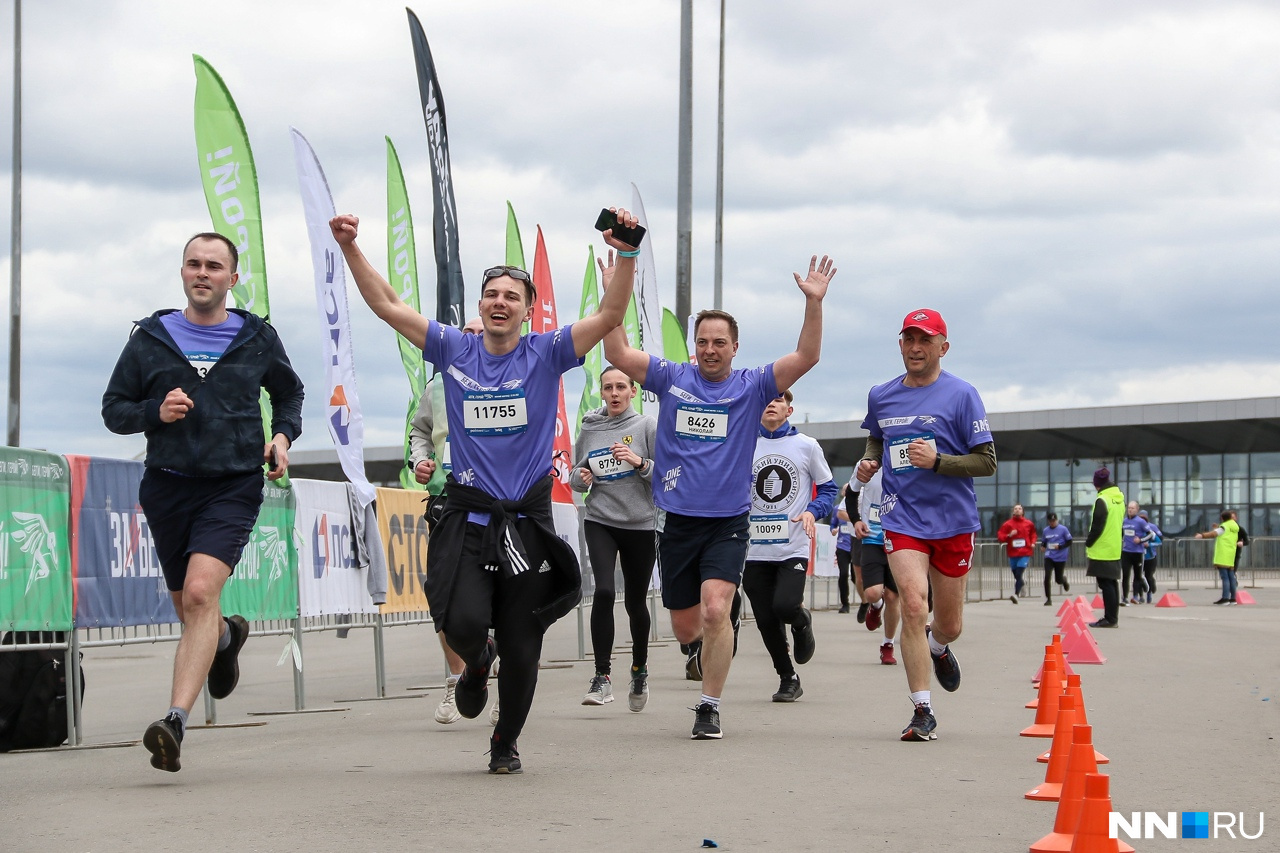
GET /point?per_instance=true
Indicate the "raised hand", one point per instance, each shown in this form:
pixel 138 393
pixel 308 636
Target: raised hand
pixel 820 275
pixel 344 226
pixel 627 219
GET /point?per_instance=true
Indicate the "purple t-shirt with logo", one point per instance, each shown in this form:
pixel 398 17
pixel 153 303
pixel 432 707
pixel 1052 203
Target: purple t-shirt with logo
pixel 202 345
pixel 1131 527
pixel 947 413
pixel 706 436
pixel 501 408
pixel 1056 541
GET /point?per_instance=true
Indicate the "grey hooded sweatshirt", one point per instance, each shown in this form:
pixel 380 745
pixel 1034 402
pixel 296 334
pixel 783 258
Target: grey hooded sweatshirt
pixel 618 497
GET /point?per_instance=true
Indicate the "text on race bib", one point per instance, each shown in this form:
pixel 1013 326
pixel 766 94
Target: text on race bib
pixel 769 529
pixel 605 467
pixel 702 423
pixel 899 460
pixel 494 412
pixel 1019 543
pixel 446 458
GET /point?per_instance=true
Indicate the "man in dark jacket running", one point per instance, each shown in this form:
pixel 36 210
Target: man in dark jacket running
pixel 190 381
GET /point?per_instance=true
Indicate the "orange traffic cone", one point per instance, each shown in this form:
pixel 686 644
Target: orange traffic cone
pixel 1097 602
pixel 1064 668
pixel 1082 719
pixel 1243 597
pixel 1047 707
pixel 1093 834
pixel 1171 599
pixel 1051 789
pixel 1070 804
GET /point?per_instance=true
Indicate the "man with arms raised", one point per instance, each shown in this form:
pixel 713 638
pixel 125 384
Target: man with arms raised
pixel 707 427
pixel 190 380
pixel 929 428
pixel 495 559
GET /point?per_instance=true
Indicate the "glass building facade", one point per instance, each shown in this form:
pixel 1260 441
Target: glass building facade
pixel 1182 494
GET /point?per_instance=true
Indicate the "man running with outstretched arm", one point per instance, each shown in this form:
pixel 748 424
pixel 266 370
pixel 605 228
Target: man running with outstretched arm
pixel 932 427
pixel 494 558
pixel 707 427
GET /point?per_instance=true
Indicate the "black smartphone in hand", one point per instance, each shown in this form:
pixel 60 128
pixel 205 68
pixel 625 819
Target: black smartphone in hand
pixel 609 221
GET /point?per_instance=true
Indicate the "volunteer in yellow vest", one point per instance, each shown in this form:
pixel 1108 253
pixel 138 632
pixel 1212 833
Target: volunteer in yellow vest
pixel 1102 546
pixel 1227 534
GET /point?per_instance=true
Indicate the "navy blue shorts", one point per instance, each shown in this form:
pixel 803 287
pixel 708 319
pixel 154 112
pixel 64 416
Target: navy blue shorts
pixel 692 550
pixel 198 515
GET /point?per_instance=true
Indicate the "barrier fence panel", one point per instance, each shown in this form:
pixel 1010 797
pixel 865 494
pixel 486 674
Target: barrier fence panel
pixel 113 559
pixel 35 552
pixel 264 585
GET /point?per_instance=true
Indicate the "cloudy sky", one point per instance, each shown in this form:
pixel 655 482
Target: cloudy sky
pixel 1089 192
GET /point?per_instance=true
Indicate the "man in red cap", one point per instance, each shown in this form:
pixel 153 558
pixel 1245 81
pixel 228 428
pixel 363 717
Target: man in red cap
pixel 929 431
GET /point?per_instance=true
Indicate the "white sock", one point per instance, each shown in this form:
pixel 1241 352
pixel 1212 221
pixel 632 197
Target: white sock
pixel 920 697
pixel 888 641
pixel 879 604
pixel 713 701
pixel 934 646
pixel 453 679
pixel 224 639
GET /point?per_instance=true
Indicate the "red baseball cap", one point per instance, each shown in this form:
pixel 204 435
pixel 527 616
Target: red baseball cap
pixel 926 320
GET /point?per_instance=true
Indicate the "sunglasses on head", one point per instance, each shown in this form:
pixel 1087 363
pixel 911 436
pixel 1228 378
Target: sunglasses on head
pixel 511 272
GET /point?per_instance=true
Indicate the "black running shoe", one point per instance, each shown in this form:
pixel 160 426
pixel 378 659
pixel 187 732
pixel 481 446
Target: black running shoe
pixel 503 757
pixel 802 633
pixel 1066 584
pixel 922 725
pixel 789 690
pixel 945 668
pixel 163 739
pixel 844 608
pixel 224 673
pixel 693 666
pixel 706 722
pixel 862 612
pixel 472 693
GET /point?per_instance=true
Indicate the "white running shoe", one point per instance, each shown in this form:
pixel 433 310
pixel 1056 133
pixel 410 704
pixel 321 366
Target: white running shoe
pixel 600 692
pixel 494 714
pixel 447 711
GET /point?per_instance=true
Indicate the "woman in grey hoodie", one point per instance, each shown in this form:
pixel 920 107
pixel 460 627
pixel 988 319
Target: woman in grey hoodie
pixel 615 469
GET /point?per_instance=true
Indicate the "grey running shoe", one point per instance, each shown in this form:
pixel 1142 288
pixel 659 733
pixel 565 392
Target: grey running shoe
pixel 945 668
pixel 706 722
pixel 503 757
pixel 600 691
pixel 163 739
pixel 922 725
pixel 789 690
pixel 224 673
pixel 639 695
